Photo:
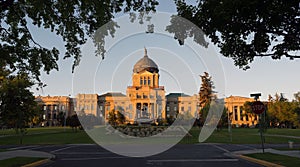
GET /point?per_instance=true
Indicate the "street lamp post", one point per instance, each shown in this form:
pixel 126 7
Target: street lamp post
pixel 256 109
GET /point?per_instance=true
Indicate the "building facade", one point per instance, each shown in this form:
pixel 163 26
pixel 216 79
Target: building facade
pixel 116 101
pixel 181 103
pixel 87 104
pixel 53 107
pixel 144 101
pixel 237 115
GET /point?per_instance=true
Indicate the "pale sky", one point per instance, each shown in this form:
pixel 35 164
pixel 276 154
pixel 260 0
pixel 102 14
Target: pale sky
pixel 180 66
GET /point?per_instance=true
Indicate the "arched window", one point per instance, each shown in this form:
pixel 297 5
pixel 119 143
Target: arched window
pixel 149 81
pixel 141 80
pixel 145 81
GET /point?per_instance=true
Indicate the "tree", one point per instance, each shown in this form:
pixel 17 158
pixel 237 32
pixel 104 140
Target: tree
pixel 248 110
pixel 120 118
pixel 112 118
pixel 73 21
pixel 283 113
pixel 206 92
pixel 297 97
pixel 224 118
pixel 203 114
pixel 206 95
pixel 115 117
pixel 243 29
pixel 73 122
pixel 17 104
pixel 61 118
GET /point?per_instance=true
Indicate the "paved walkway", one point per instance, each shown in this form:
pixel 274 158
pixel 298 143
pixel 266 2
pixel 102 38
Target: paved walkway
pixel 291 153
pixel 286 136
pixel 31 153
pixel 25 153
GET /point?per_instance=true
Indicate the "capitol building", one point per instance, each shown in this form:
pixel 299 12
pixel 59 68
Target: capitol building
pixel 145 101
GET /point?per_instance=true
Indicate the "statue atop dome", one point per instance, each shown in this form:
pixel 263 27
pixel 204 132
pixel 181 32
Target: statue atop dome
pixel 145 50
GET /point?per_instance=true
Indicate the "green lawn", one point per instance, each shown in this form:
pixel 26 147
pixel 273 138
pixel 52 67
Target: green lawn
pixel 245 136
pixel 8 132
pixel 277 159
pixel 48 136
pixel 18 161
pixel 57 135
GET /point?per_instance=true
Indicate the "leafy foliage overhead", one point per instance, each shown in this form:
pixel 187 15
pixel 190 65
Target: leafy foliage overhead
pixel 73 21
pixel 244 29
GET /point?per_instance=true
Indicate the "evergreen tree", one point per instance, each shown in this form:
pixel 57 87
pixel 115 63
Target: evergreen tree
pixel 206 92
pixel 206 95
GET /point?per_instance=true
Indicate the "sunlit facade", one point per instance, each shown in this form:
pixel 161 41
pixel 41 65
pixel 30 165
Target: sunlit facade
pixel 145 98
pixel 237 115
pixel 52 106
pixel 144 101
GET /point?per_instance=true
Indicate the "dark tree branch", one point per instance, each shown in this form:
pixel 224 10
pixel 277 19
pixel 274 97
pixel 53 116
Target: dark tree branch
pixel 5 4
pixel 285 54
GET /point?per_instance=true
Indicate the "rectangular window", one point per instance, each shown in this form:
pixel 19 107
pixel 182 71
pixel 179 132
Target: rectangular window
pixel 182 108
pixel 149 81
pixel 189 109
pixel 175 108
pixel 168 108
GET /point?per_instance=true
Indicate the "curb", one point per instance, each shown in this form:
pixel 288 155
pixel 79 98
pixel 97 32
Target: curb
pixel 37 163
pixel 258 161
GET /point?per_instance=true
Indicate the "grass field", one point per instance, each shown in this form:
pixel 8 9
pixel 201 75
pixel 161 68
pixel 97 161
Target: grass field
pixel 277 159
pixel 55 135
pixel 59 135
pixel 18 161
